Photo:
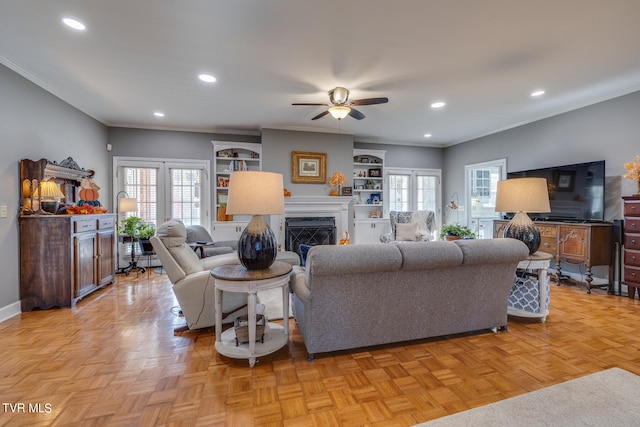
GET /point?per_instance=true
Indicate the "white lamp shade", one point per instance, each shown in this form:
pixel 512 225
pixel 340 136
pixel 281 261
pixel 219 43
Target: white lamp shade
pixel 48 190
pixel 127 204
pixel 255 193
pixel 522 195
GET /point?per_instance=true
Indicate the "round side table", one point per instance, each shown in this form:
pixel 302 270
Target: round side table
pixel 236 278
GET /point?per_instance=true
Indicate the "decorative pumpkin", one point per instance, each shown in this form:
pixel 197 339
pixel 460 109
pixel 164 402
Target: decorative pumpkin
pixel 88 194
pixel 345 239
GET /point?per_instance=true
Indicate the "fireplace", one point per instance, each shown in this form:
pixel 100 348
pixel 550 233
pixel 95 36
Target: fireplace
pixel 309 231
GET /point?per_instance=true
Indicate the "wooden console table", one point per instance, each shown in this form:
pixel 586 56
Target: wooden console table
pixel 574 243
pixel 236 278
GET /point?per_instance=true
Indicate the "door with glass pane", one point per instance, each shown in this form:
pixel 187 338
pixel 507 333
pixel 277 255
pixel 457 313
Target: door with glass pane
pixel 414 189
pixel 481 185
pixel 163 190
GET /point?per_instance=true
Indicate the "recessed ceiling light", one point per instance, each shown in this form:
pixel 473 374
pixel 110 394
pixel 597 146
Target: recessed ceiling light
pixel 427 135
pixel 207 78
pixel 74 23
pixel 158 114
pixel 438 104
pixel 537 93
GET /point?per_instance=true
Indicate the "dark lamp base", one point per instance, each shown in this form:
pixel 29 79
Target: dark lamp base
pixel 522 228
pixel 257 248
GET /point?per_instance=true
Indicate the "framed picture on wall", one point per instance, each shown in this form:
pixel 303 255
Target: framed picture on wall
pixel 308 168
pixel 347 191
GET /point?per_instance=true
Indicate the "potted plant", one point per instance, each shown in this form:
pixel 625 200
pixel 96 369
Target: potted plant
pixel 135 229
pixel 145 232
pixel 456 231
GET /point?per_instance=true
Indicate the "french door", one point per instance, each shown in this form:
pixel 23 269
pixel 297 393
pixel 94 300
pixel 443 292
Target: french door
pixel 414 189
pixel 163 189
pixel 480 187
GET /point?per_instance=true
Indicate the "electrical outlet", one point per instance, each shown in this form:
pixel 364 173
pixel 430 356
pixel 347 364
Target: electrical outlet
pixel 3 211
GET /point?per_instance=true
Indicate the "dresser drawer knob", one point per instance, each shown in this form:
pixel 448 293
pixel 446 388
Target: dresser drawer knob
pixel 633 258
pixel 633 274
pixel 633 241
pixel 633 225
pixel 633 208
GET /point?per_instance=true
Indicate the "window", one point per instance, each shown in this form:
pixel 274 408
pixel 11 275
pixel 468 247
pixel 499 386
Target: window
pixel 414 189
pixel 480 186
pixel 163 189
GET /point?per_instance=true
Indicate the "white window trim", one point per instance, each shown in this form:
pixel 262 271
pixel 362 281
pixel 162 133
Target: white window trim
pixel 502 163
pixel 419 171
pixel 165 164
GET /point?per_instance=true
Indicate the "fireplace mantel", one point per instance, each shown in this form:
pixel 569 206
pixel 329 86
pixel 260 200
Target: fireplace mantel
pixel 301 206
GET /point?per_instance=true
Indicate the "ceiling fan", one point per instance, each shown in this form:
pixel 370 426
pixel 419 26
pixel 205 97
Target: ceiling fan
pixel 341 107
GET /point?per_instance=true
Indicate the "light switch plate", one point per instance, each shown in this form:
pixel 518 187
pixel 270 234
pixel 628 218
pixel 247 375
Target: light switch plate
pixel 3 211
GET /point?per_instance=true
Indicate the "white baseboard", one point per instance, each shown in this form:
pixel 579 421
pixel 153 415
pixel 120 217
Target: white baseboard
pixel 9 311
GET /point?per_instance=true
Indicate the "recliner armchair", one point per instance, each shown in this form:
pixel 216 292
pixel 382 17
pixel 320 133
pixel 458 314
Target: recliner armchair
pixel 193 284
pixel 197 233
pixel 424 220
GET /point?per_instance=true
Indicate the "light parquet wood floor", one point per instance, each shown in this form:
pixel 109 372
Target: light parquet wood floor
pixel 115 361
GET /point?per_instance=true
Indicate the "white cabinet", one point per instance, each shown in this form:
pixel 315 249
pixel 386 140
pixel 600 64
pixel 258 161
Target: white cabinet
pixel 370 230
pixel 230 157
pixel 227 230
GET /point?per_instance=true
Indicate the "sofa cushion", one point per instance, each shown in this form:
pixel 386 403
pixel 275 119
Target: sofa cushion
pixel 430 255
pixel 407 232
pixel 327 260
pixel 492 251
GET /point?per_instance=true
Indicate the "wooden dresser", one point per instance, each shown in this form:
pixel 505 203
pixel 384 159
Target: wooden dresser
pixel 631 258
pixel 575 243
pixel 64 258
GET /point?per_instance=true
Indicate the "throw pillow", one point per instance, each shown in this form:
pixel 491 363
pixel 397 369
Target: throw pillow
pixel 407 232
pixel 303 253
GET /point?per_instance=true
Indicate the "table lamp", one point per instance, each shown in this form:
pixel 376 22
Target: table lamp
pixel 523 195
pixel 256 193
pixel 49 195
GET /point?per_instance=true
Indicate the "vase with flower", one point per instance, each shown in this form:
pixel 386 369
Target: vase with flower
pixel 336 180
pixel 633 172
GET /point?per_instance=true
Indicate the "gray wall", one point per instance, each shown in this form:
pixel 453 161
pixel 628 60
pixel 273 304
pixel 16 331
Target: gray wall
pixel 168 144
pixel 405 156
pixel 277 146
pixel 605 131
pixel 35 124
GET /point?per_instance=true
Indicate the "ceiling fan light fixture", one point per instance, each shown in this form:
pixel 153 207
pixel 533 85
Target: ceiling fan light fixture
pixel 339 112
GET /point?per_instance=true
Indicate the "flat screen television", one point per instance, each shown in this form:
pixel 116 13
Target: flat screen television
pixel 576 192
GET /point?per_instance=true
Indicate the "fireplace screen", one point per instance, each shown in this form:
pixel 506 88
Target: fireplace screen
pixel 309 231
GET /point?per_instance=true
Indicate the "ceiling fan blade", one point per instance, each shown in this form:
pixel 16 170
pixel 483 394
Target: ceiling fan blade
pixel 356 114
pixel 370 101
pixel 310 104
pixel 324 113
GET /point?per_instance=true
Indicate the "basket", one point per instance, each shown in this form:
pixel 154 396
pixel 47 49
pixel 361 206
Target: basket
pixel 241 328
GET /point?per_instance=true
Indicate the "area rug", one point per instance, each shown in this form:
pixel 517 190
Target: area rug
pixel 608 398
pixel 272 299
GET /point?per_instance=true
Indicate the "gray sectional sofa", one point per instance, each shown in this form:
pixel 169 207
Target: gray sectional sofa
pixel 364 295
